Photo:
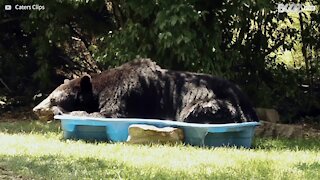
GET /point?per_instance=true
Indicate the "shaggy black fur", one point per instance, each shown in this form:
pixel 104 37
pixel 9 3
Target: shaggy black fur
pixel 141 89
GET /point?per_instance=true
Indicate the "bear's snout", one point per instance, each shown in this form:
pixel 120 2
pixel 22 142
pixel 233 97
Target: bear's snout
pixel 43 114
pixel 43 110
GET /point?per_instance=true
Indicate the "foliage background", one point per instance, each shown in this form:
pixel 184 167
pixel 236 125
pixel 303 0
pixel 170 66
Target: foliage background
pixel 272 56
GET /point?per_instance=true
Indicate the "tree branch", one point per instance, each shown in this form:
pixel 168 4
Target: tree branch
pixel 5 85
pixel 117 13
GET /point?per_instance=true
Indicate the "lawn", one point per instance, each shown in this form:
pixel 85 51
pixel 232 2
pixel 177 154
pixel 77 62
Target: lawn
pixel 36 150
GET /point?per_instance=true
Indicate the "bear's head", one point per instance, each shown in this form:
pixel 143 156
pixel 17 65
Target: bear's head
pixel 72 95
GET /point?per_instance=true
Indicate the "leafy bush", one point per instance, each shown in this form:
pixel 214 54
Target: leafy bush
pixel 238 40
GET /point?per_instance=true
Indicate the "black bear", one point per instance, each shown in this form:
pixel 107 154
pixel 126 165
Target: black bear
pixel 141 89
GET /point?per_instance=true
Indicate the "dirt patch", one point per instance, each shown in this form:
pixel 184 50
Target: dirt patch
pixel 305 129
pixel 19 114
pixel 9 175
pixel 274 130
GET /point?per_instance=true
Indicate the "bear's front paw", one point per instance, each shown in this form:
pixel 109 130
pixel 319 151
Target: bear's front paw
pixel 56 110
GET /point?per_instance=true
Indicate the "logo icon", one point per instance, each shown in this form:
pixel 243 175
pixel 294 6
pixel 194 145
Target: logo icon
pixel 7 7
pixel 292 7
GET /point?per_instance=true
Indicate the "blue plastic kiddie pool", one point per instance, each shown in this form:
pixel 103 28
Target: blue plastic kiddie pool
pixel 116 130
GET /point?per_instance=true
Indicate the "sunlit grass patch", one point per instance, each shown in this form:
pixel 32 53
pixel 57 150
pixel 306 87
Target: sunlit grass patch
pixel 37 150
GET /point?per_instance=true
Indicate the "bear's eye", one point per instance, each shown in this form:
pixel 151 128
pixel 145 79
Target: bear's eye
pixel 52 100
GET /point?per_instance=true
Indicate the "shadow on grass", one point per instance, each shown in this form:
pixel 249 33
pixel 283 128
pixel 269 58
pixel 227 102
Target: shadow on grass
pixel 311 169
pixel 38 127
pixel 286 144
pixel 27 127
pixel 309 166
pixel 59 167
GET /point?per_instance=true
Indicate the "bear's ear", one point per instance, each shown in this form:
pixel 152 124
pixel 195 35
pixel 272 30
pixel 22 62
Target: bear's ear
pixel 85 84
pixel 66 81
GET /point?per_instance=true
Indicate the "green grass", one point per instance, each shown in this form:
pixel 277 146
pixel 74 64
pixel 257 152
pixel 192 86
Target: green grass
pixel 36 150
